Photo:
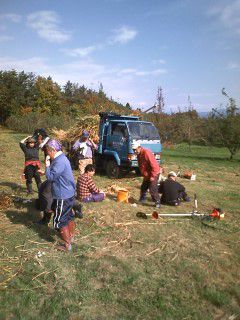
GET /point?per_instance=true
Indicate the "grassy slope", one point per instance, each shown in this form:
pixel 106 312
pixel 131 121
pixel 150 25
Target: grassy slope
pixel 165 269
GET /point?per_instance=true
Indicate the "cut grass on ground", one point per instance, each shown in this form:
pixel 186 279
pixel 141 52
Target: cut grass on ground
pixel 122 267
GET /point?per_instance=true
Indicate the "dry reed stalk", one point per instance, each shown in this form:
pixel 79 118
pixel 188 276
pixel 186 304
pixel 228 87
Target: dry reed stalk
pixel 89 123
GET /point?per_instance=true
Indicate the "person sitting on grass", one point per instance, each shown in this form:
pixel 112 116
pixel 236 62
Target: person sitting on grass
pixel 32 163
pixel 86 188
pixel 172 191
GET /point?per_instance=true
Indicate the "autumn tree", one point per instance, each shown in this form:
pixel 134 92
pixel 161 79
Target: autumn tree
pixel 48 97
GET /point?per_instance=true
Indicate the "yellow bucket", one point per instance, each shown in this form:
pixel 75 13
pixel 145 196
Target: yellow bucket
pixel 122 195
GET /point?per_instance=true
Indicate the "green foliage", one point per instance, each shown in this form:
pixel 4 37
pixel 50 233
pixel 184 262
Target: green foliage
pixel 178 127
pixel 26 123
pixel 24 93
pixel 16 91
pixel 223 127
pixel 48 97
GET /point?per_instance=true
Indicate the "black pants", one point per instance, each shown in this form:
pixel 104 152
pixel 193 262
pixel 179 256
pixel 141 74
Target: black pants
pixel 181 196
pixel 30 173
pixel 153 189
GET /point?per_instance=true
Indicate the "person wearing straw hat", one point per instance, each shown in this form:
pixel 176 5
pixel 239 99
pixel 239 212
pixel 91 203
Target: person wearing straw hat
pixel 150 171
pixel 59 172
pixel 172 191
pixel 32 163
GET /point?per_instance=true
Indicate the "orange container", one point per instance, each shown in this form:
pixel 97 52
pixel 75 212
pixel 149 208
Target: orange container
pixel 122 195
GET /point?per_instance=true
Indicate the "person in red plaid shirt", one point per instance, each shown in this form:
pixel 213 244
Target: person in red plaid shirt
pixel 86 188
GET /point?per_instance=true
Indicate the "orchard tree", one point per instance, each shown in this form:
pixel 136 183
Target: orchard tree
pixel 224 126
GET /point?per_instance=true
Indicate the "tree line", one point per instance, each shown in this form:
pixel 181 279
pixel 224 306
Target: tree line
pixel 221 128
pixel 26 98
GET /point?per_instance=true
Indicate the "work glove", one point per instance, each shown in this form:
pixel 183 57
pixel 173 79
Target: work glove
pixel 47 162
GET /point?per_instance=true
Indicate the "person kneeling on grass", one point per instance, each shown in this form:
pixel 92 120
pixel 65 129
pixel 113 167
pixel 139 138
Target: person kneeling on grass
pixel 59 172
pixel 86 188
pixel 172 191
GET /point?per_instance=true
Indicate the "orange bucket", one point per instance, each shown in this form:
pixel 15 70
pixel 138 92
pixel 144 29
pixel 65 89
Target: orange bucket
pixel 122 195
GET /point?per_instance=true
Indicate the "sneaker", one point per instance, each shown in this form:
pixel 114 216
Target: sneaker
pixel 158 205
pixel 142 199
pixel 187 199
pixel 42 222
pixel 78 214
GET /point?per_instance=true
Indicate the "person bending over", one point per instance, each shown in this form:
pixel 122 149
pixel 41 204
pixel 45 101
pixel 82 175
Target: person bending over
pixel 150 171
pixel 172 191
pixel 86 188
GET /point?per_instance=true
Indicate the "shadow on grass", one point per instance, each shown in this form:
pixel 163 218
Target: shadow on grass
pixel 29 219
pixel 13 186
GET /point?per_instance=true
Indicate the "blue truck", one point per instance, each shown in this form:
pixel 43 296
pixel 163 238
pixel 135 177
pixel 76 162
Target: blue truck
pixel 116 135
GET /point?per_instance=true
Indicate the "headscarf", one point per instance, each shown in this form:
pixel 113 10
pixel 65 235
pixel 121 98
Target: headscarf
pixel 55 144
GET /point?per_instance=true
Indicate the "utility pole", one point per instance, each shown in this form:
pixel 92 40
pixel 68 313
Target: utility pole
pixel 160 101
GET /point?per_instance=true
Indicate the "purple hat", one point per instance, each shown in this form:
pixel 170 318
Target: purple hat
pixel 85 134
pixel 55 144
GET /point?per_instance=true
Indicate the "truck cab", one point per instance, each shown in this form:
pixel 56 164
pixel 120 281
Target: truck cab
pixel 116 135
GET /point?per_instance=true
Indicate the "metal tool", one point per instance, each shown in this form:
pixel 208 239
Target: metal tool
pixel 216 213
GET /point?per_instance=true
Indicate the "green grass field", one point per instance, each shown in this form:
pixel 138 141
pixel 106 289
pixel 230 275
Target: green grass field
pixel 122 267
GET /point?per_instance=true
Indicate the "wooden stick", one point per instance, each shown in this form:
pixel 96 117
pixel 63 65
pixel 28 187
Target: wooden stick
pixel 155 250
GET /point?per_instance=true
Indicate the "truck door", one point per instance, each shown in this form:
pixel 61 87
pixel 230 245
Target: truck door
pixel 118 139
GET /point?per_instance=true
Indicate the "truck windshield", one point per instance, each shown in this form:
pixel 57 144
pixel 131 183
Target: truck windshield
pixel 143 130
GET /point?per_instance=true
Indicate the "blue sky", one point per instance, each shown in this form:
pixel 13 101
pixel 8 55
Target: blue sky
pixel 189 48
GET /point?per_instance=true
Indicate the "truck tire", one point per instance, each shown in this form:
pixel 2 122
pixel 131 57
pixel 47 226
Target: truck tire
pixel 112 169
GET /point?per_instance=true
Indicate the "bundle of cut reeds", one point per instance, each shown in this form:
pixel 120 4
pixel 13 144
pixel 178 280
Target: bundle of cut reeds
pixel 89 123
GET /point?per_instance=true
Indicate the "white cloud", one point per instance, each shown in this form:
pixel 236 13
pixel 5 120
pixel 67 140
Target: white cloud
pixel 159 61
pixel 123 35
pixel 79 52
pixel 11 17
pixel 233 66
pixel 142 73
pixel 46 24
pixel 5 38
pixel 142 104
pixel 128 71
pixel 229 15
pixel 34 64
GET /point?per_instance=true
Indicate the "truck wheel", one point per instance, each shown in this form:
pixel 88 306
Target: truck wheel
pixel 112 169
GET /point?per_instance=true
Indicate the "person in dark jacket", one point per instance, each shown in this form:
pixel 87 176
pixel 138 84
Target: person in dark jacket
pixel 42 138
pixel 172 191
pixel 32 163
pixel 44 201
pixel 59 172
